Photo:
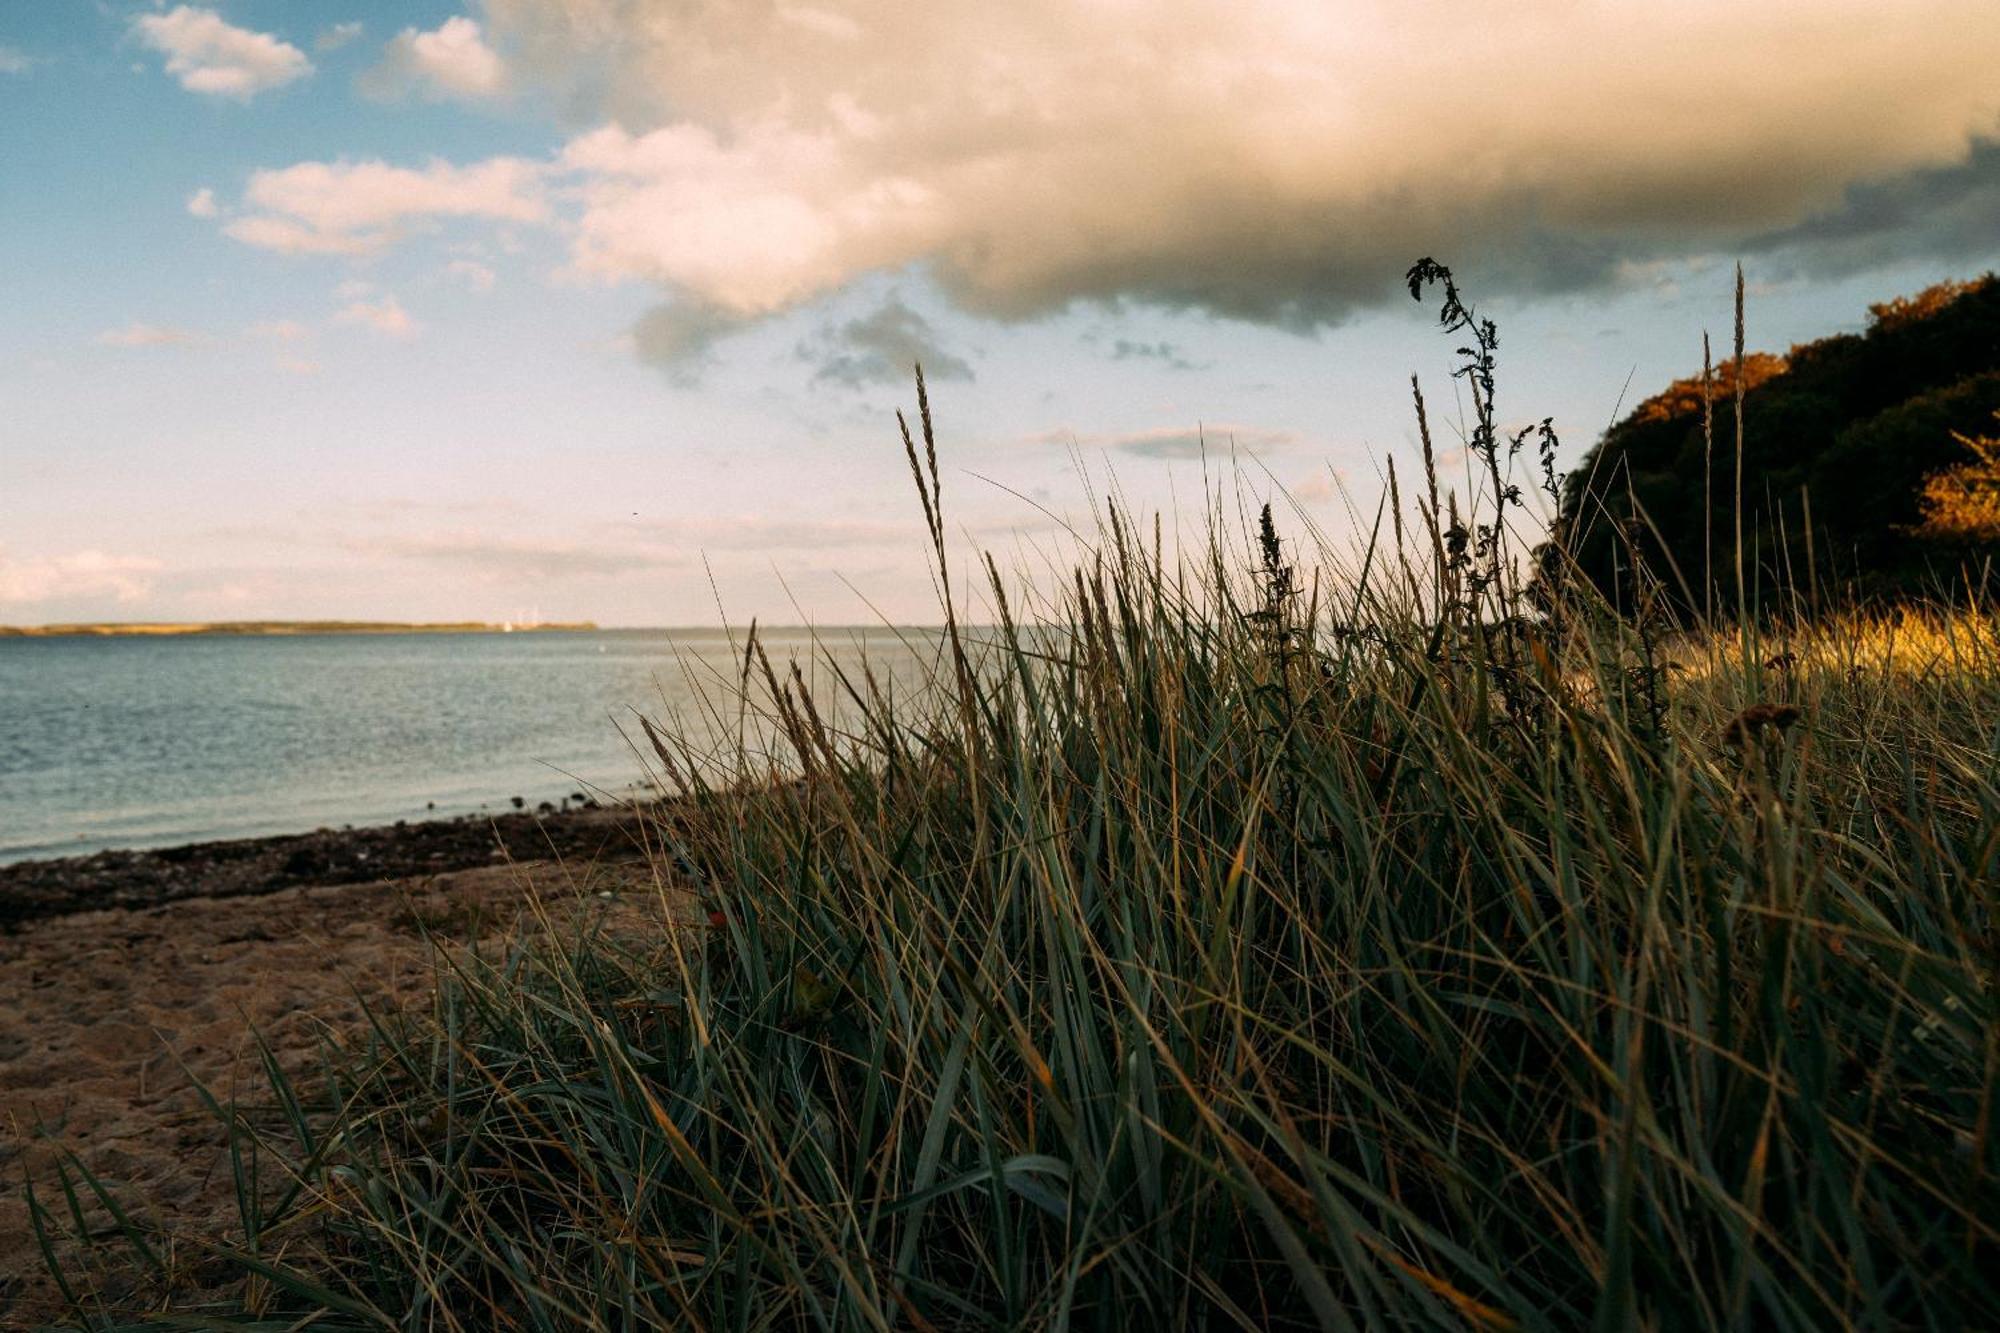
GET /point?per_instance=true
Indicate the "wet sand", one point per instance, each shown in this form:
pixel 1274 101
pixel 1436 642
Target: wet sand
pixel 32 890
pixel 123 974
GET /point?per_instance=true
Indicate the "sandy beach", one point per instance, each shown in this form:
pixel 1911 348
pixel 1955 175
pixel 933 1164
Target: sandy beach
pixel 123 974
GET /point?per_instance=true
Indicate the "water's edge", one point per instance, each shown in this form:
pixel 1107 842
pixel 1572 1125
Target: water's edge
pixel 238 867
pixel 137 743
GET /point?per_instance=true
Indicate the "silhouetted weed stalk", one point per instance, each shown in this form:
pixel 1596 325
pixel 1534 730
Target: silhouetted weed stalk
pixel 1190 957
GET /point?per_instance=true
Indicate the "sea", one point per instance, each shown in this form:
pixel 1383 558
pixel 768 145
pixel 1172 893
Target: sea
pixel 133 742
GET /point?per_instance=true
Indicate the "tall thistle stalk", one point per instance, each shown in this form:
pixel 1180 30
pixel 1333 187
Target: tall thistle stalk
pixel 1707 484
pixel 1742 601
pixel 1477 369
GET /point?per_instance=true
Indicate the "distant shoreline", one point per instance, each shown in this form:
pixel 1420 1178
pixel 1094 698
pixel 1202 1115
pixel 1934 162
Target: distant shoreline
pixel 166 629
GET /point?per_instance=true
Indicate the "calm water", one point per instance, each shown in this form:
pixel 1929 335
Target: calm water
pixel 138 742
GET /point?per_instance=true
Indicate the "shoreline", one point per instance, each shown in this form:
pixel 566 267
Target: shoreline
pixel 248 867
pixel 281 628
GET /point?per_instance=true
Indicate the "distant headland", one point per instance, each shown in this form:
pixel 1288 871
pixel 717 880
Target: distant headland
pixel 282 627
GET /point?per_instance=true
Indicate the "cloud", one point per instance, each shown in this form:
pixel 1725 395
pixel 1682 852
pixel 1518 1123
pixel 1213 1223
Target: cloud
pixel 288 237
pixel 137 334
pixel 1174 442
pixel 452 61
pixel 881 348
pixel 475 275
pixel 752 226
pixel 210 56
pixel 15 61
pixel 353 208
pixel 623 548
pixel 765 532
pixel 825 23
pixel 289 334
pixel 509 557
pixel 1166 353
pixel 678 336
pixel 337 36
pixel 1315 488
pixel 1944 213
pixel 1275 160
pixel 201 203
pixel 386 317
pixel 89 573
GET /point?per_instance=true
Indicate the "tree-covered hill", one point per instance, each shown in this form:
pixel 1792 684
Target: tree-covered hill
pixel 1846 432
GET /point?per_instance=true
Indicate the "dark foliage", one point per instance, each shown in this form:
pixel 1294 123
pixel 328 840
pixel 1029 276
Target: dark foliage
pixel 1840 436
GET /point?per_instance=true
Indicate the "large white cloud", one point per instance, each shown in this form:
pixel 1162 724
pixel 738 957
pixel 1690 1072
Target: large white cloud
pixel 752 225
pixel 1274 160
pixel 210 55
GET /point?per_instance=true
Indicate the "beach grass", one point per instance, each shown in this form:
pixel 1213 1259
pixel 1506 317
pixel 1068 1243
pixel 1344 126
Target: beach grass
pixel 1256 935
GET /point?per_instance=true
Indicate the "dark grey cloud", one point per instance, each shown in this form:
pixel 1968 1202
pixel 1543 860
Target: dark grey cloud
pixel 1176 442
pixel 1316 270
pixel 881 348
pixel 678 336
pixel 1166 353
pixel 1950 214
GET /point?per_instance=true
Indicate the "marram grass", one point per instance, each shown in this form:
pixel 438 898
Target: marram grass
pixel 1195 954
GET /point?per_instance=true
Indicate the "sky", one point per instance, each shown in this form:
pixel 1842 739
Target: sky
pixel 602 309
